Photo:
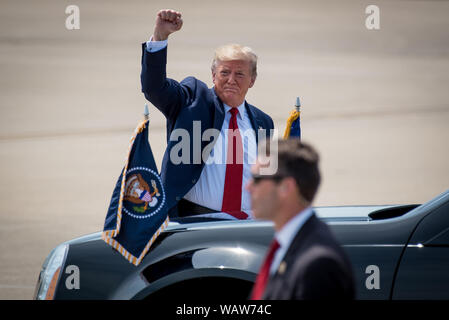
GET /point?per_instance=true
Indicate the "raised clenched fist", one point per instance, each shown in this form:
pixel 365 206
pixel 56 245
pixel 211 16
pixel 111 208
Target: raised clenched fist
pixel 167 22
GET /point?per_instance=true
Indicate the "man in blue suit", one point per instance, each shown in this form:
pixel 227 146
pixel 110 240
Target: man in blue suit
pixel 212 133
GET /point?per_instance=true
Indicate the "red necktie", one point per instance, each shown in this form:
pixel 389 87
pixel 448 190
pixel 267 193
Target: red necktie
pixel 232 195
pixel 264 273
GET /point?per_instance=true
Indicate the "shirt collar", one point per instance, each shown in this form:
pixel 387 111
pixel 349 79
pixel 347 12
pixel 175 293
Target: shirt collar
pixel 241 109
pixel 291 228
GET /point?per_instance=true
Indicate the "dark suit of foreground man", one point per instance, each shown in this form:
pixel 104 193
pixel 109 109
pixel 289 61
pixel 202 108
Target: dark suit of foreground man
pixel 304 261
pixel 189 103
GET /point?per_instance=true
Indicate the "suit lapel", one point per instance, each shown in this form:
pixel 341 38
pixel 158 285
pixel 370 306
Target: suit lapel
pixel 299 240
pixel 274 285
pixel 219 113
pixel 256 123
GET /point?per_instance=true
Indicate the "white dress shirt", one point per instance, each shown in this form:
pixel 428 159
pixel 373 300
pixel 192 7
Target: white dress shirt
pixel 212 179
pixel 286 235
pixel 208 191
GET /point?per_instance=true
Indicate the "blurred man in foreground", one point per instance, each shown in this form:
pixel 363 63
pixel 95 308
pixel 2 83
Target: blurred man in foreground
pixel 304 260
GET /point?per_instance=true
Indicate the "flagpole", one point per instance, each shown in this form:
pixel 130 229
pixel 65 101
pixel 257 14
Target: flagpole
pixel 146 113
pixel 297 104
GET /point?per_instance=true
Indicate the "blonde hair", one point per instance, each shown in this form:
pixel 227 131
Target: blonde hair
pixel 235 52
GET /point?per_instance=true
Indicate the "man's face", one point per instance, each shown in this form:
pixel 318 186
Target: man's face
pixel 232 79
pixel 264 196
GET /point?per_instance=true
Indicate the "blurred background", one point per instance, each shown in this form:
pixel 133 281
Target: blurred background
pixel 374 103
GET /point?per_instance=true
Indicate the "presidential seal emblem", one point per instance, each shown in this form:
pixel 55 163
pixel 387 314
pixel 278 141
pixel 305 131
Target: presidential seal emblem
pixel 143 193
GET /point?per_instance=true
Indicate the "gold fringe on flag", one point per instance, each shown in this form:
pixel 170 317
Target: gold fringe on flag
pixel 293 116
pixel 132 259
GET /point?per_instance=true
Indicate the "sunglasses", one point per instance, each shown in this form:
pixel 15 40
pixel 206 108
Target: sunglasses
pixel 258 178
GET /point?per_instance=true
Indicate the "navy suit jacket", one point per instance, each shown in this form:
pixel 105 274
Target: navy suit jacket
pixel 182 103
pixel 315 267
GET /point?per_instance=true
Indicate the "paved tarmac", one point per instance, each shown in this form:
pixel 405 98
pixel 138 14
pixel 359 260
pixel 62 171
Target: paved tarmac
pixel 374 103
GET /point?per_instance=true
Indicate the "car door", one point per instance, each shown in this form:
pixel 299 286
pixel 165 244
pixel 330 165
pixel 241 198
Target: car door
pixel 423 271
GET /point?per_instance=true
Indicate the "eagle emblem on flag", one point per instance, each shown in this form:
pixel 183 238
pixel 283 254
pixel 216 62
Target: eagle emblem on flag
pixel 143 193
pixel 139 192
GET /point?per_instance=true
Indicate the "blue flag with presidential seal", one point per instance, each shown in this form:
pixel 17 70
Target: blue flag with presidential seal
pixel 138 212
